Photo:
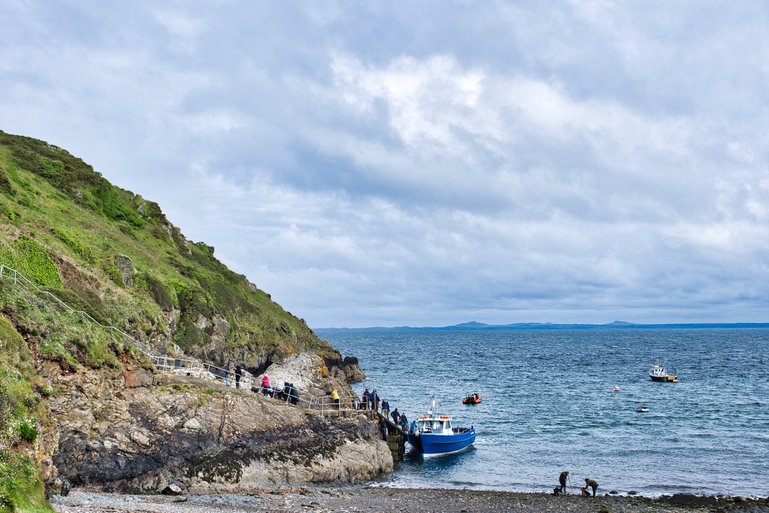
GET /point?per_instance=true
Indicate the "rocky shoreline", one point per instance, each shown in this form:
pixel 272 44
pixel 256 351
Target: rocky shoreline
pixel 391 500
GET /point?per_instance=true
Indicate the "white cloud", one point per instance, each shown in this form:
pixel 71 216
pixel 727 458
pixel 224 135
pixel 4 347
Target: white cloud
pixel 575 162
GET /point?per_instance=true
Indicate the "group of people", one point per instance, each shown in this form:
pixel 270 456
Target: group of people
pixel 372 401
pixel 589 483
pixel 233 376
pixel 233 370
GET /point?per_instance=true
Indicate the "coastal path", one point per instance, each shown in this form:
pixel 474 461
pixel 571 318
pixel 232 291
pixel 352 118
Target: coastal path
pixel 186 369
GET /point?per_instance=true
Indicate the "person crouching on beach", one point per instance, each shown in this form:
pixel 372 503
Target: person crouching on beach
pixel 591 483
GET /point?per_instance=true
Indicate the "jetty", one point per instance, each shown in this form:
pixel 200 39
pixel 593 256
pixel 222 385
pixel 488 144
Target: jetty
pixel 394 435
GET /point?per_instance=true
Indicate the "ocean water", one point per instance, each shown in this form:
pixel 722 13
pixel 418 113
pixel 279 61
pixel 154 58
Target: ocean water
pixel 548 405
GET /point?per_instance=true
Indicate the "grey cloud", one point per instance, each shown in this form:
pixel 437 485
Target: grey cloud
pixel 428 162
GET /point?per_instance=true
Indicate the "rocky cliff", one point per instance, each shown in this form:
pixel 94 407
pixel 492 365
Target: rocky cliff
pixel 206 437
pixel 80 405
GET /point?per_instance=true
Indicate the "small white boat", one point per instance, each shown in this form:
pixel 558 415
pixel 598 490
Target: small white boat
pixel 641 408
pixel 663 375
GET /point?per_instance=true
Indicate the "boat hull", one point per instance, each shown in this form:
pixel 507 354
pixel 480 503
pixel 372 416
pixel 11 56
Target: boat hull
pixel 429 444
pixel 664 379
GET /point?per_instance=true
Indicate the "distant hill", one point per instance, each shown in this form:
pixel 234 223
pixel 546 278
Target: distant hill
pixel 531 326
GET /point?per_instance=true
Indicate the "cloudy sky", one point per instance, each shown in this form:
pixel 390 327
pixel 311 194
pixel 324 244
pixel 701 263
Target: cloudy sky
pixel 428 162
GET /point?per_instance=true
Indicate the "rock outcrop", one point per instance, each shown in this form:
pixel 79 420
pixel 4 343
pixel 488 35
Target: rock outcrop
pixel 117 431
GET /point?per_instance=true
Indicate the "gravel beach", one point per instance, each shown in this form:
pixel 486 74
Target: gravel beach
pixel 386 500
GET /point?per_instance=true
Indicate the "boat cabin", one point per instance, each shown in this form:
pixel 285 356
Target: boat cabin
pixel 435 425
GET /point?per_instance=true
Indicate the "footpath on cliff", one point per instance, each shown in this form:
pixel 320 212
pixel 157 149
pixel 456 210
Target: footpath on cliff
pixel 155 422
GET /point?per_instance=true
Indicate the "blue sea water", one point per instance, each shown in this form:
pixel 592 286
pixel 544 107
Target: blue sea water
pixel 548 405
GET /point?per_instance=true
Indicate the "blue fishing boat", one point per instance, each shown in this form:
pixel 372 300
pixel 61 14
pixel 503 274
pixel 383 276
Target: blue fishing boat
pixel 433 434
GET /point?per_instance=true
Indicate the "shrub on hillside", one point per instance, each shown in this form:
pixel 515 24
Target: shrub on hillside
pixel 29 258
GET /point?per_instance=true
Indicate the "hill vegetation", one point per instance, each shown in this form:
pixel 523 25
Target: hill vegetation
pixel 114 255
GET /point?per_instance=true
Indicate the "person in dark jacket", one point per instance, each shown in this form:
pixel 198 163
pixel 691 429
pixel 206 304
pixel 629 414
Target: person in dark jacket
pixel 366 399
pixel 591 483
pixel 562 479
pixel 238 375
pixel 385 408
pixel 396 416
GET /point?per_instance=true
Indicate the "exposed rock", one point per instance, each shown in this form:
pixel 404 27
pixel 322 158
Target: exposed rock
pixel 126 268
pixel 207 437
pixel 134 375
pixel 347 370
pixel 175 488
pixel 303 370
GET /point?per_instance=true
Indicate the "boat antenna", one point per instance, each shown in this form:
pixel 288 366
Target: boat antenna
pixel 431 410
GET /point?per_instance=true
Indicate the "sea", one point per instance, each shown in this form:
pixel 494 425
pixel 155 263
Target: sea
pixel 549 404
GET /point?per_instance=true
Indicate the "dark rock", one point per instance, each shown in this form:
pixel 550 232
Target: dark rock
pixel 690 500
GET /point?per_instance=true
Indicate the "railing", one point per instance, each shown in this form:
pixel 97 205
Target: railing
pixel 191 366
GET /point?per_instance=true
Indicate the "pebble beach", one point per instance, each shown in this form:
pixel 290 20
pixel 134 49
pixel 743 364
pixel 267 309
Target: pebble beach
pixel 392 500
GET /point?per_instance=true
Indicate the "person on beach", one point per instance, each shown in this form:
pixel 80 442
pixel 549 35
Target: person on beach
pixel 238 375
pixel 591 483
pixel 366 399
pixel 385 408
pixel 562 480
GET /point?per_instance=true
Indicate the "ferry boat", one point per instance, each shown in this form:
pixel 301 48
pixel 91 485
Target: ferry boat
pixel 433 434
pixel 660 373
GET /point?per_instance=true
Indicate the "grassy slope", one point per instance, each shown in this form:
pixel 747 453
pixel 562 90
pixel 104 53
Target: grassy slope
pixel 63 225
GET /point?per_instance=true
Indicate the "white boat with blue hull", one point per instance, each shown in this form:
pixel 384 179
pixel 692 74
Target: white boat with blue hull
pixel 433 435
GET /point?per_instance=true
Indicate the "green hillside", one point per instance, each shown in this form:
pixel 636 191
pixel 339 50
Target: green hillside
pixel 68 228
pixel 113 254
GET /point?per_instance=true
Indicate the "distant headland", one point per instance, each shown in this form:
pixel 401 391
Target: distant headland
pixel 530 326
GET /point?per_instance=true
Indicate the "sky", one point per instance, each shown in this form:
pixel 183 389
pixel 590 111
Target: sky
pixel 423 162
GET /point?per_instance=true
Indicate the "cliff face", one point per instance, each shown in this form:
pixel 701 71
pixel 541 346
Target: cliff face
pixel 79 403
pixel 209 438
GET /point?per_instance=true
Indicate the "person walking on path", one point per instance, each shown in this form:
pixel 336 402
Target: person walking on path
pixel 335 397
pixel 366 399
pixel 227 374
pixel 238 375
pixel 591 483
pixel 265 384
pixel 562 479
pixel 375 399
pixel 385 408
pixel 396 416
pixel 404 422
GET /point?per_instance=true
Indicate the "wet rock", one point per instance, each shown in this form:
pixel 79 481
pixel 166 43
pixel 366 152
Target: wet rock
pixel 691 500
